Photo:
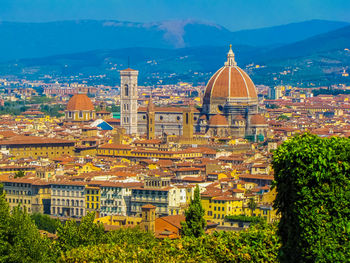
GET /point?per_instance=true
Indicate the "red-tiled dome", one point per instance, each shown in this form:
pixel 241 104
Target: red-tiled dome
pixel 257 119
pixel 230 81
pixel 80 102
pixel 218 120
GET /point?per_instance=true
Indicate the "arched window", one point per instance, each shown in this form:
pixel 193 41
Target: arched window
pixel 126 90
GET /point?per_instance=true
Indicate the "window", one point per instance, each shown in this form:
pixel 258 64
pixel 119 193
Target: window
pixel 126 90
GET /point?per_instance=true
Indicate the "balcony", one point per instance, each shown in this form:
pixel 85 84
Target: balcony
pixel 149 200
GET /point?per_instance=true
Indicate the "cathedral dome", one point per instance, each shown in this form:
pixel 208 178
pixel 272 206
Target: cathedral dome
pixel 218 120
pixel 257 119
pixel 229 83
pixel 80 102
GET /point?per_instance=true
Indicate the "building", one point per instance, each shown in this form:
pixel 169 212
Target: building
pixel 276 93
pixel 80 109
pixel 33 194
pixel 157 192
pixel 230 108
pixel 115 198
pixel 31 146
pixel 93 198
pixel 128 100
pixel 68 199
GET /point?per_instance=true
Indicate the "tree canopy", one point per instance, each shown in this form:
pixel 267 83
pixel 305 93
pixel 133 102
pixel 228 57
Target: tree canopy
pixel 195 223
pixel 312 179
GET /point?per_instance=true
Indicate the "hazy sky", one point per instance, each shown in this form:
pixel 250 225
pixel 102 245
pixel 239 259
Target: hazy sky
pixel 233 14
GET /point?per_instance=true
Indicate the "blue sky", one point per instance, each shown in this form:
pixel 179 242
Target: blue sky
pixel 233 14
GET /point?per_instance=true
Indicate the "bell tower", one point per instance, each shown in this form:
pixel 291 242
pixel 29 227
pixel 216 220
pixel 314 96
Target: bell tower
pixel 188 122
pixel 128 100
pixel 150 119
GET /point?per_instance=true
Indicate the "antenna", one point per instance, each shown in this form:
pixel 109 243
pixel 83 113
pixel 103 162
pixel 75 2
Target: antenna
pixel 128 61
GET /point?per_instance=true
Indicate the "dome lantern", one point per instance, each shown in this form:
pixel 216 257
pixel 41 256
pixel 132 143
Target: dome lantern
pixel 230 58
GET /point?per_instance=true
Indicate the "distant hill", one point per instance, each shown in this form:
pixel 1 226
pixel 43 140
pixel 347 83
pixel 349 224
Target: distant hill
pixel 149 61
pixel 318 60
pixel 338 39
pixel 31 40
pixel 285 34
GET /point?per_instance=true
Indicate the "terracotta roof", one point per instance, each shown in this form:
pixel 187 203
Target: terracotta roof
pixel 129 69
pixel 80 102
pixel 175 220
pixel 258 119
pixel 218 120
pixel 230 82
pixel 148 206
pixel 20 140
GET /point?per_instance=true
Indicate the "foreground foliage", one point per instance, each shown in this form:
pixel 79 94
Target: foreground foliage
pixel 257 244
pixel 313 195
pixel 20 240
pixel 244 218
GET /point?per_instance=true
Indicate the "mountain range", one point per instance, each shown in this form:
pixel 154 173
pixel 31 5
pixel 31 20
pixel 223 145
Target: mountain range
pixel 173 50
pixel 31 40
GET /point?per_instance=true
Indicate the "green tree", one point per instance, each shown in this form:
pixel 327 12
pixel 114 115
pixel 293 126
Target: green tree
pixel 20 240
pixel 72 235
pixel 252 205
pixel 195 223
pixel 4 228
pixel 283 117
pixel 19 174
pixel 27 244
pixel 45 222
pixel 312 179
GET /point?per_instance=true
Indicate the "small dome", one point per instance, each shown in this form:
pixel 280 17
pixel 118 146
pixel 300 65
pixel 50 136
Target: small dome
pixel 218 120
pixel 257 119
pixel 80 102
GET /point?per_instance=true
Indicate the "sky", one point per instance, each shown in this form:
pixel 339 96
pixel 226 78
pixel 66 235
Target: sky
pixel 232 14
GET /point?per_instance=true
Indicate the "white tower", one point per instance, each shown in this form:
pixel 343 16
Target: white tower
pixel 128 100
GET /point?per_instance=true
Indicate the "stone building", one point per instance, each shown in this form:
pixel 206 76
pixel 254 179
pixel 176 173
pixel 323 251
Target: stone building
pixel 230 108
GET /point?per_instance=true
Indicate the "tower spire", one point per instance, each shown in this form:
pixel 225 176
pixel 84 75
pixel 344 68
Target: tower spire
pixel 231 58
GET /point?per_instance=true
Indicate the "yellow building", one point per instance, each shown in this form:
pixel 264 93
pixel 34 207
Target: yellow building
pixel 13 169
pixel 93 199
pixel 120 221
pixel 33 194
pixel 31 146
pixel 125 151
pixel 218 207
pixel 87 168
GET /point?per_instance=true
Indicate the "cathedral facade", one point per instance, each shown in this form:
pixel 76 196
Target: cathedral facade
pixel 230 108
